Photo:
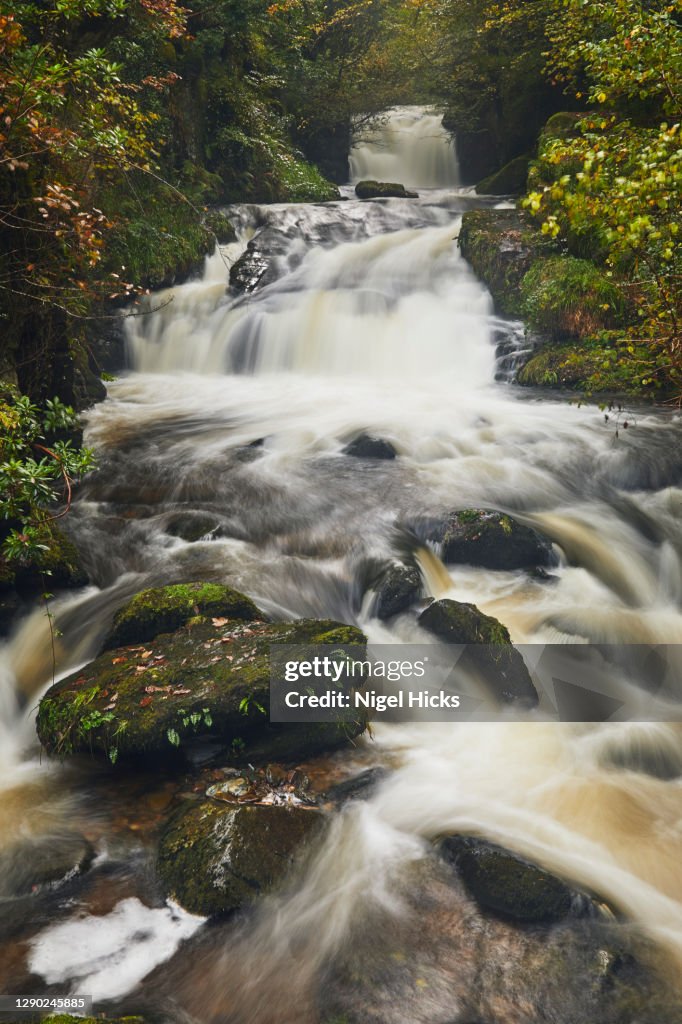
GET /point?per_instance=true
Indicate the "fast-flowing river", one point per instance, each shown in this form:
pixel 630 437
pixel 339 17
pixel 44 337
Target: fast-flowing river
pixel 229 427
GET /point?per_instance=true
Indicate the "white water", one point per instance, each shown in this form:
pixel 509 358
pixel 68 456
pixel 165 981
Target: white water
pixel 410 147
pixel 371 321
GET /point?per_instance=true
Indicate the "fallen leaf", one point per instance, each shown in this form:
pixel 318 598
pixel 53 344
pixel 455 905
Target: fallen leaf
pixel 117 661
pixel 145 702
pixel 220 622
pixel 146 654
pixel 140 668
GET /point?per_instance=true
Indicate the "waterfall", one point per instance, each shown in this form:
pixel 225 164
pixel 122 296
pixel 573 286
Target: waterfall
pixel 410 146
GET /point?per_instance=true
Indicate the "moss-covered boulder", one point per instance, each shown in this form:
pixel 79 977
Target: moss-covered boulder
pixel 501 246
pixel 493 540
pixel 209 679
pixel 217 857
pixel 57 565
pixel 565 297
pixel 383 190
pixel 609 363
pixel 489 655
pixel 163 609
pixel 510 180
pixel 509 885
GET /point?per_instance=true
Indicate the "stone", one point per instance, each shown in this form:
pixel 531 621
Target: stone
pixel 215 858
pixel 507 884
pixel 163 609
pixel 209 681
pixel 366 446
pixel 490 654
pixel 383 190
pixel 493 540
pixel 398 589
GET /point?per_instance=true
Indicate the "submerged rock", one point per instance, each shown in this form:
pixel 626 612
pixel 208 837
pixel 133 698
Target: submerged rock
pixel 366 446
pixel 215 858
pixel 493 540
pixel 399 587
pixel 509 885
pixel 34 863
pixel 383 190
pixel 210 679
pixel 489 655
pixel 163 609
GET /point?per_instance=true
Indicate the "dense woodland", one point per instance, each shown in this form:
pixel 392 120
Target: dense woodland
pixel 125 125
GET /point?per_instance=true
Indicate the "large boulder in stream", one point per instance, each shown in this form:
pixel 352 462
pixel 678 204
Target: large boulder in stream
pixel 163 609
pixel 507 884
pixel 210 680
pixel 493 540
pixel 383 190
pixel 214 858
pixel 489 655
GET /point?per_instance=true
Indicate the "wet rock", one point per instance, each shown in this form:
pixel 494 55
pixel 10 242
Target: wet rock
pixel 493 540
pixel 358 787
pixel 58 566
pixel 509 180
pixel 250 269
pixel 509 885
pixel 365 446
pixel 209 680
pixel 32 864
pixel 193 526
pixel 214 858
pixel 163 609
pixel 501 246
pixel 396 591
pixel 489 656
pixel 383 190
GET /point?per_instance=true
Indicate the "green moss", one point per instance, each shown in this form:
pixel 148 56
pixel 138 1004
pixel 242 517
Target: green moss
pixel 163 609
pixel 501 246
pixel 509 180
pixel 609 362
pixel 568 297
pixel 206 679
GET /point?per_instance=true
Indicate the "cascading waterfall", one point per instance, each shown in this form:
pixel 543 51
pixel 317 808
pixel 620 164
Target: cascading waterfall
pixel 409 146
pixel 236 409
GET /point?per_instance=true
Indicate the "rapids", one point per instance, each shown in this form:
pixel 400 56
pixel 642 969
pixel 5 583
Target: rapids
pixel 233 413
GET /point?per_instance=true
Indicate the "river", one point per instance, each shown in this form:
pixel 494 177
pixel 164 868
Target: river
pixel 231 424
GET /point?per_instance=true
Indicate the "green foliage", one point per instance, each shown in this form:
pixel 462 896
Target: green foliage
pixel 569 297
pixel 612 188
pixel 33 476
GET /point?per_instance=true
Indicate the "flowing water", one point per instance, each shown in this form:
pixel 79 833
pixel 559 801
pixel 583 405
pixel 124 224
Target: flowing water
pixel 230 427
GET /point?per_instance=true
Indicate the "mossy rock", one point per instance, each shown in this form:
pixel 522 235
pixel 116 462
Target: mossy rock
pixel 609 363
pixel 489 654
pixel 217 857
pixel 501 246
pixel 510 180
pixel 509 885
pixel 210 679
pixel 565 297
pixel 57 566
pixel 493 540
pixel 163 609
pixel 383 190
pixel 398 588
pixel 562 125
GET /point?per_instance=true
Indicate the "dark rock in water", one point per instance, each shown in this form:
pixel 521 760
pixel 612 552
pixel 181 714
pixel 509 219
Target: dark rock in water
pixel 210 680
pixel 489 655
pixel 192 526
pixel 359 787
pixel 364 446
pixel 217 857
pixel 383 190
pixel 249 270
pixel 34 863
pixel 477 152
pixel 493 540
pixel 509 885
pixel 163 609
pixel 397 590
